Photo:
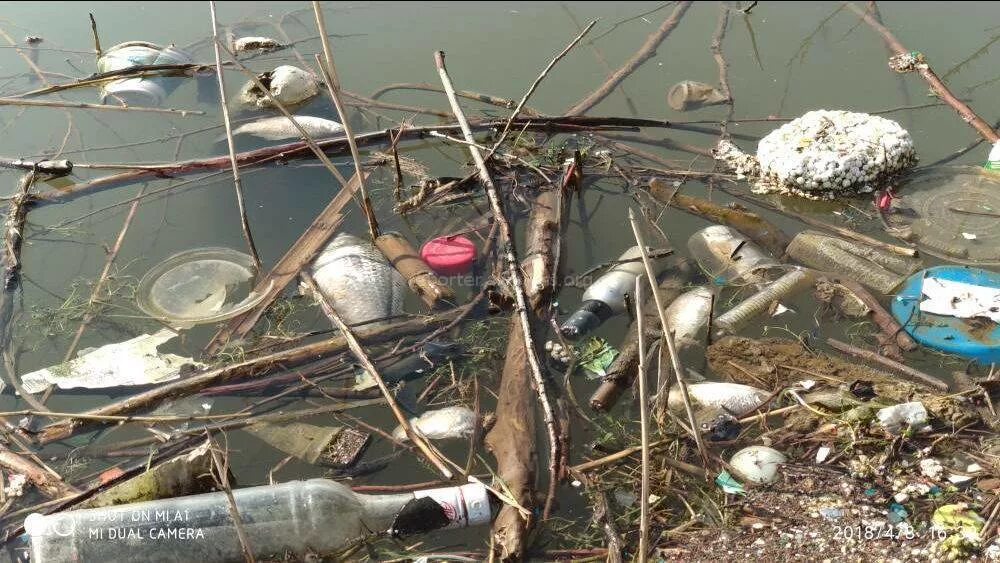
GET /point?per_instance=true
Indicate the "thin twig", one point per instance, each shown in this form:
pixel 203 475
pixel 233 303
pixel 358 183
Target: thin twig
pixel 329 72
pixel 222 478
pixel 644 424
pixel 81 105
pixel 513 268
pixel 646 52
pixel 366 364
pixel 668 337
pixel 240 202
pixel 534 86
pixel 937 86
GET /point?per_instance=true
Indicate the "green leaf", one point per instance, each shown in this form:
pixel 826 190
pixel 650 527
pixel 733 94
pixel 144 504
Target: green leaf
pixel 596 355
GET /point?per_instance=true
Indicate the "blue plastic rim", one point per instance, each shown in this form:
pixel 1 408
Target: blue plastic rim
pixel 978 339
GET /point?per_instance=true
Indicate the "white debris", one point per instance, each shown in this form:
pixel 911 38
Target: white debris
pixel 825 153
pixel 133 362
pixel 931 468
pixel 969 236
pixel 16 483
pixel 959 299
pixel 898 418
pixel 822 453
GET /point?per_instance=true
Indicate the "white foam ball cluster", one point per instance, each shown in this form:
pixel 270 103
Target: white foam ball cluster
pixel 824 154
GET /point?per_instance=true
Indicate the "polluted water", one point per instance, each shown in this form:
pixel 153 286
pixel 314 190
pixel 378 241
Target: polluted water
pixel 515 282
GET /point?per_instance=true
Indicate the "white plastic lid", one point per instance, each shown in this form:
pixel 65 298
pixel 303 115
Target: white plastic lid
pixel 467 505
pixel 136 92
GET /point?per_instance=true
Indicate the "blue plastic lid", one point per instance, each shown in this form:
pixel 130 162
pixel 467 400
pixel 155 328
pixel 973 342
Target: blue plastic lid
pixel 975 338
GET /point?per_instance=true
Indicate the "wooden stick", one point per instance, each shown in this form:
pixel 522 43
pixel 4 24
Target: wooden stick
pixel 301 149
pixel 646 52
pixel 643 423
pixel 906 370
pixel 369 367
pixel 240 203
pixel 937 86
pixel 49 484
pixel 81 105
pixel 668 337
pixel 513 541
pixel 760 230
pixel 329 71
pixel 301 253
pixel 693 470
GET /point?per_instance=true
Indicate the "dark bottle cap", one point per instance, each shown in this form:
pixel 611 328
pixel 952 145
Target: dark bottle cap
pixel 589 316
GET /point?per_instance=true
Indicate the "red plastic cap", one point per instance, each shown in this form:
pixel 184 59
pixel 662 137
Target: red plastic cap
pixel 449 256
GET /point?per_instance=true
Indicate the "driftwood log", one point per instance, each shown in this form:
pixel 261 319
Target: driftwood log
pixel 512 438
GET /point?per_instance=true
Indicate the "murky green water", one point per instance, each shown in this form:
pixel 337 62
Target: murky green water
pixel 780 63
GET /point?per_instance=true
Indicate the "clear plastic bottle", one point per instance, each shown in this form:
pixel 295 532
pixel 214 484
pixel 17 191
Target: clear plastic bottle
pixel 605 297
pixel 727 256
pixel 733 320
pixel 293 519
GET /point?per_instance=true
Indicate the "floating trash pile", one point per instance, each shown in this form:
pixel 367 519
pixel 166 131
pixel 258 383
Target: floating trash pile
pixel 825 154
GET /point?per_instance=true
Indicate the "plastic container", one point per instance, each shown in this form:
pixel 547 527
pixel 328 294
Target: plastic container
pixel 952 212
pixel 735 319
pixel 605 297
pixel 870 266
pixel 142 91
pixel 199 286
pixel 296 519
pixel 449 256
pixel 975 338
pixel 728 257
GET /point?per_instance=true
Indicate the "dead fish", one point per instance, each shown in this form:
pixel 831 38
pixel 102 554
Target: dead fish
pixel 287 84
pixel 358 281
pixel 688 316
pixel 259 44
pixel 691 95
pixel 275 128
pixel 735 398
pixel 449 422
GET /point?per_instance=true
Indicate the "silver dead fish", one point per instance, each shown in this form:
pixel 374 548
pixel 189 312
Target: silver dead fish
pixel 690 95
pixel 736 399
pixel 357 280
pixel 449 422
pixel 688 316
pixel 275 128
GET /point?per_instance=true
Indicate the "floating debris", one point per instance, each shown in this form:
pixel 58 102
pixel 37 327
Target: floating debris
pixel 688 317
pixel 690 95
pixel 826 154
pixel 132 362
pixel 256 44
